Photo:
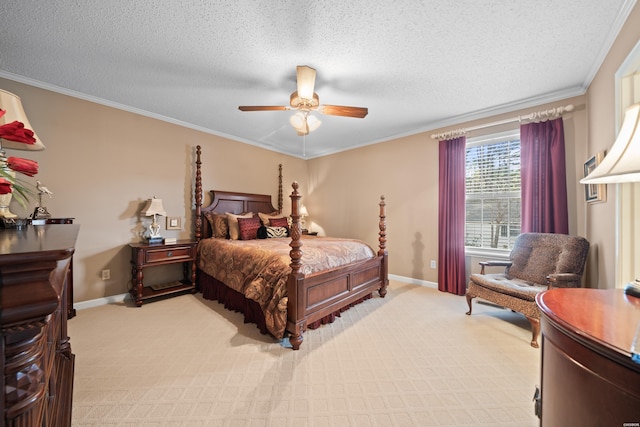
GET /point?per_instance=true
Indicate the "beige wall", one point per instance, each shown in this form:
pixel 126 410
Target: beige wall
pixel 102 164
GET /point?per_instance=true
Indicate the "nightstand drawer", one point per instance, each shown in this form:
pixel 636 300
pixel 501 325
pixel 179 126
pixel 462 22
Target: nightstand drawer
pixel 161 255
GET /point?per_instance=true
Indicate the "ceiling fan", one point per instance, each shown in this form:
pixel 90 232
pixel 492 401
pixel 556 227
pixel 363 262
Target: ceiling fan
pixel 306 100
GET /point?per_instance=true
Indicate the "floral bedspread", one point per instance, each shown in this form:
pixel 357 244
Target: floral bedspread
pixel 259 268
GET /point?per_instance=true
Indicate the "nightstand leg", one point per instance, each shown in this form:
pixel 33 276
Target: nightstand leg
pixel 138 277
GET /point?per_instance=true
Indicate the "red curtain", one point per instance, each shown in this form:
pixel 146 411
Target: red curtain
pixel 543 178
pixel 451 213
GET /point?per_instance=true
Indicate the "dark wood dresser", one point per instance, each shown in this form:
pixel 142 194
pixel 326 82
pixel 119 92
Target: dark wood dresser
pixel 588 376
pixel 37 362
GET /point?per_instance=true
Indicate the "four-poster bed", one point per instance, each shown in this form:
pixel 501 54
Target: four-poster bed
pixel 283 293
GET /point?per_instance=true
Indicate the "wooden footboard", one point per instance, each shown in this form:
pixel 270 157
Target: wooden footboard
pixel 315 296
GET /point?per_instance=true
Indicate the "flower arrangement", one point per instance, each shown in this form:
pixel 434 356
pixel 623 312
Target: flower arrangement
pixel 15 131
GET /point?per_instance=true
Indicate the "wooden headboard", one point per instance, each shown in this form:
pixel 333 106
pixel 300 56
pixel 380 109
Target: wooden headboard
pixel 232 202
pixel 236 203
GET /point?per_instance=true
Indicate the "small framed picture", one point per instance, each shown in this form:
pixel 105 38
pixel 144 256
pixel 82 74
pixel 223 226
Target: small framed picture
pixel 594 193
pixel 174 223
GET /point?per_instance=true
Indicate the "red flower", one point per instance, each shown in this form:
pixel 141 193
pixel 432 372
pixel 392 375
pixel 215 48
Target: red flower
pixel 5 186
pixel 25 166
pixel 15 131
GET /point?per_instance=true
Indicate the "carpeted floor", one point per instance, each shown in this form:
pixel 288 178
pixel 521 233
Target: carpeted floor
pixel 410 359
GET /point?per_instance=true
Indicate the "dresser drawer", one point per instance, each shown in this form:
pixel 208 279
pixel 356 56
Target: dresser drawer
pixel 165 254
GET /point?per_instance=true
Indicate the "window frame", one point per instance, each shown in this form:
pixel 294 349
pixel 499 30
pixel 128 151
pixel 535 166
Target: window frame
pixel 486 139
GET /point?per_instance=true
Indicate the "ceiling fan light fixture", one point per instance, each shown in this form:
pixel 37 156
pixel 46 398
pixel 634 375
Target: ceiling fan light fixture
pixel 313 123
pixel 297 121
pixel 304 123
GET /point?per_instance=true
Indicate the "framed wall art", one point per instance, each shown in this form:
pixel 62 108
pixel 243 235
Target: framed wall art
pixel 594 193
pixel 174 223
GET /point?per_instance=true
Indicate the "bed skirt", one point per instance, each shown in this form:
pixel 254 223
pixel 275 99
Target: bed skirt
pixel 213 289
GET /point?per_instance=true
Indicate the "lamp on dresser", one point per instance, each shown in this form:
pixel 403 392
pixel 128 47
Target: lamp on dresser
pixel 16 133
pixel 622 164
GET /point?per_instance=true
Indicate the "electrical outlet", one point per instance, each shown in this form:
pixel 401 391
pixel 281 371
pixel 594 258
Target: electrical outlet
pixel 106 274
pixel 433 263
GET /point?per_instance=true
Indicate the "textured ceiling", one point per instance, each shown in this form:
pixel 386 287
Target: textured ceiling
pixel 416 65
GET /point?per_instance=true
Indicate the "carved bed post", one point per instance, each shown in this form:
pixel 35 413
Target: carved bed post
pixel 198 213
pixel 294 308
pixel 383 247
pixel 198 196
pixel 280 199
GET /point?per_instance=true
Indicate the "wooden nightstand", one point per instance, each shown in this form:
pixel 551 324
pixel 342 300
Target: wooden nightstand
pixel 144 255
pixel 310 233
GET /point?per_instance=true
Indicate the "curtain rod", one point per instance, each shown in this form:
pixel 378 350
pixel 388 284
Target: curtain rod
pixel 536 115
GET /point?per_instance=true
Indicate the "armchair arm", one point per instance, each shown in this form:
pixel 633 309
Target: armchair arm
pixel 494 263
pixel 564 280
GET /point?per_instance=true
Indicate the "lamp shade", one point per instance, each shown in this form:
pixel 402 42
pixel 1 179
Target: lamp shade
pixel 154 207
pixel 303 211
pixel 14 112
pixel 622 163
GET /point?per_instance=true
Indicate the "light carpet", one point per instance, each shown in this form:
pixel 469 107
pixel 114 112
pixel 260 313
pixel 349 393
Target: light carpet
pixel 410 359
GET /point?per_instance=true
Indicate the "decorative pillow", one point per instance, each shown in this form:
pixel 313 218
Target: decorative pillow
pixel 232 219
pixel 279 222
pixel 219 225
pixel 249 228
pixel 277 232
pixel 265 217
pixel 262 232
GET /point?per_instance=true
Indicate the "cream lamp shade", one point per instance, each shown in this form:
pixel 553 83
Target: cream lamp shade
pixel 15 112
pixel 622 163
pixel 154 207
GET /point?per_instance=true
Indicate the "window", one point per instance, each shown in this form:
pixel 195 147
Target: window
pixel 492 218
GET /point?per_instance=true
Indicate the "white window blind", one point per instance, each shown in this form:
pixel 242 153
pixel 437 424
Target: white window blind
pixel 492 211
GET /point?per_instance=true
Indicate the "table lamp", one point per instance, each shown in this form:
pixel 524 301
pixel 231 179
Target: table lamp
pixel 13 112
pixel 154 208
pixel 622 164
pixel 303 213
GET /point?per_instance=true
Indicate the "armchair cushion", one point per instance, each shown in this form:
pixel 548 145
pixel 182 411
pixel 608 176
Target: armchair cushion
pixel 514 287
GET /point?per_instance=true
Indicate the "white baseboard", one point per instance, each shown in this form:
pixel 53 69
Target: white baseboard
pixel 413 281
pixel 100 301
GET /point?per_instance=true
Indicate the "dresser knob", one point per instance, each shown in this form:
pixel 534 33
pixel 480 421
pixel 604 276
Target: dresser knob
pixel 169 253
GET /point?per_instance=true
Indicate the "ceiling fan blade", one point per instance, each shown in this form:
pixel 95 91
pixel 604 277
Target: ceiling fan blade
pixel 263 108
pixel 306 77
pixel 341 110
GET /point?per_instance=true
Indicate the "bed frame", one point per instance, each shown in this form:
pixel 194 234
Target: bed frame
pixel 315 297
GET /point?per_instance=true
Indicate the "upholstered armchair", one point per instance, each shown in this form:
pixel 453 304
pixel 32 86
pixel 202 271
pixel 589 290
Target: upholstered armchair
pixel 538 261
